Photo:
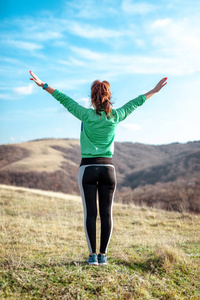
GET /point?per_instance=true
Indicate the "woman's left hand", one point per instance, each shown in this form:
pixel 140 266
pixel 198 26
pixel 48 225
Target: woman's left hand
pixel 157 88
pixel 36 79
pixel 160 85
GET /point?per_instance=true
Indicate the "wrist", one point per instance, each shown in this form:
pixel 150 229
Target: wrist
pixel 45 86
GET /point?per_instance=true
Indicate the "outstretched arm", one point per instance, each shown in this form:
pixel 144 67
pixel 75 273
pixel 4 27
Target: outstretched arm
pixel 72 106
pixel 130 106
pixel 157 88
pixel 41 83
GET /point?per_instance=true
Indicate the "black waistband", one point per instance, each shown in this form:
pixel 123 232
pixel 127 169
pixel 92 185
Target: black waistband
pixel 96 160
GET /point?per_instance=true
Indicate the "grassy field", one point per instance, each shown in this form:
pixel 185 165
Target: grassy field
pixel 153 254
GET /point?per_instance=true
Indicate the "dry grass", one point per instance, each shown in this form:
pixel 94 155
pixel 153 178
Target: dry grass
pixel 153 254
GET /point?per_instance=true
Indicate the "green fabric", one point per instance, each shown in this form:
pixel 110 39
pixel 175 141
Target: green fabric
pixel 97 132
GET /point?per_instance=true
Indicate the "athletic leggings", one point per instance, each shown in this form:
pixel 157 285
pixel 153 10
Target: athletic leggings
pixel 101 179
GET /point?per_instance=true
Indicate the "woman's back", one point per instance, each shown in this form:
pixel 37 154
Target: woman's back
pixel 98 127
pixel 97 135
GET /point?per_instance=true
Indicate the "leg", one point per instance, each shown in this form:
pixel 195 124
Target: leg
pixel 106 190
pixel 88 190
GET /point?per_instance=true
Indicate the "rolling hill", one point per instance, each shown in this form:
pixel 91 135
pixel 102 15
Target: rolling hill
pixel 165 176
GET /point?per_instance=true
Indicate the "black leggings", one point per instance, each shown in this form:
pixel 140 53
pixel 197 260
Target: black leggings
pixel 99 178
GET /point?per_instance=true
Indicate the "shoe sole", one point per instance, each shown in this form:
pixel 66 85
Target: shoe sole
pixel 92 263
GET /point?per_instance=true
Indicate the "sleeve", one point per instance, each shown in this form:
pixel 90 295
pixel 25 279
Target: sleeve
pixel 72 106
pixel 124 111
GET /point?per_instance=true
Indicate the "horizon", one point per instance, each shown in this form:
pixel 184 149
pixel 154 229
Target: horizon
pixel 77 139
pixel 131 44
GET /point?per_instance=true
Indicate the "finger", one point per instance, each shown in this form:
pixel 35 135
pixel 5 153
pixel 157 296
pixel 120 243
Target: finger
pixel 33 79
pixel 32 74
pixel 164 79
pixel 163 84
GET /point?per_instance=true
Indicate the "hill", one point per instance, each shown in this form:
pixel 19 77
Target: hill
pixel 165 176
pixel 152 254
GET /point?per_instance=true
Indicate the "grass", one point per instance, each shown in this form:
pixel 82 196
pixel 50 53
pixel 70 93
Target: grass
pixel 153 254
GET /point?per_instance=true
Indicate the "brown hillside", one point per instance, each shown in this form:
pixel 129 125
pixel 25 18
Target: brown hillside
pixel 41 164
pixel 146 174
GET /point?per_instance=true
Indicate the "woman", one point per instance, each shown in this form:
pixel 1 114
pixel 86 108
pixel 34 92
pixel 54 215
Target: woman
pixel 97 172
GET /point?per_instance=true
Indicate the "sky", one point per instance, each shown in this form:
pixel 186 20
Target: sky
pixel 69 44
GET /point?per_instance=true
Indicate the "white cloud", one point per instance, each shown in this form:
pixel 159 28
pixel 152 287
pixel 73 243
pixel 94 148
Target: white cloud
pixel 72 61
pixel 131 64
pixel 86 101
pixel 24 90
pixel 160 23
pixel 133 7
pixel 88 54
pixel 24 45
pixel 131 126
pixel 35 28
pixel 10 60
pixel 30 30
pixel 88 9
pixel 6 97
pixel 91 32
pixel 46 35
pixel 180 40
pixel 177 36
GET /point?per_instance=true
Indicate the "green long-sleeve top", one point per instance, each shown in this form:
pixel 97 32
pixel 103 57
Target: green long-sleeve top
pixel 97 132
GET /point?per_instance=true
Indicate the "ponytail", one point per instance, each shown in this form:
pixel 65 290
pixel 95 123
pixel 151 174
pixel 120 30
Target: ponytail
pixel 100 97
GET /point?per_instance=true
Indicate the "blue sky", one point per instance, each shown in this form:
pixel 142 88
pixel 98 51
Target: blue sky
pixel 69 44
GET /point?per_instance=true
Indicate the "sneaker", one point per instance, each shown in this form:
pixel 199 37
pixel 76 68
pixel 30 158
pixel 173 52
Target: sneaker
pixel 92 259
pixel 102 259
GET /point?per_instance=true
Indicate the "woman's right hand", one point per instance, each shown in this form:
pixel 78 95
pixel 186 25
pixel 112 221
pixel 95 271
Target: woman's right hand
pixel 39 82
pixel 36 79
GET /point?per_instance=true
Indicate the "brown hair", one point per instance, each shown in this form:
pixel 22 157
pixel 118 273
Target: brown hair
pixel 100 97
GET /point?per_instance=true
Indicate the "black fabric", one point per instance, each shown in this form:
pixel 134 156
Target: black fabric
pixel 96 160
pixel 101 180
